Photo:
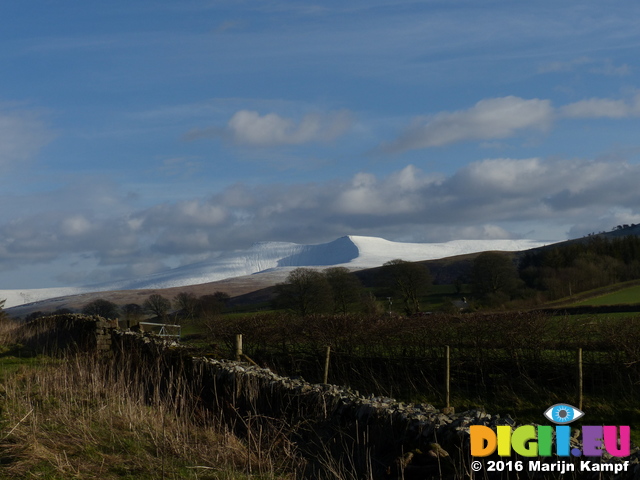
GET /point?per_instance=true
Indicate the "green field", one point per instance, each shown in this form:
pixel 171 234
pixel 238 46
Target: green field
pixel 625 296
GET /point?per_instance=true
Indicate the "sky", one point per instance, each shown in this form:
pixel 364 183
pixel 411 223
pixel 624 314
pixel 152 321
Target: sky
pixel 140 135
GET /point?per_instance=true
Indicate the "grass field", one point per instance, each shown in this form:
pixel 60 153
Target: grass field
pixel 625 296
pixel 508 363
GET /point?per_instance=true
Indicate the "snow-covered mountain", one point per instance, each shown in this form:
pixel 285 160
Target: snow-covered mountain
pixel 354 252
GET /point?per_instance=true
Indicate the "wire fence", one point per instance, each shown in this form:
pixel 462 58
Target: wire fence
pixel 491 356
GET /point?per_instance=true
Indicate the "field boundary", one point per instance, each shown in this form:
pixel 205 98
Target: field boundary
pixel 371 435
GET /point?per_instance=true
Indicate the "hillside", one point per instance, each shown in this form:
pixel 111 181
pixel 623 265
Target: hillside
pixel 623 295
pixel 275 258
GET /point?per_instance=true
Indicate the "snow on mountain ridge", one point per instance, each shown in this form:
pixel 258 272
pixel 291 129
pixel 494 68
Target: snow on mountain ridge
pixel 355 252
pixel 375 251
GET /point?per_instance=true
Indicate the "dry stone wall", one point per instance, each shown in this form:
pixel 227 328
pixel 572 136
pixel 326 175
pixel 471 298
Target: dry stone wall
pixel 380 437
pixel 377 436
pixel 58 334
pixel 370 433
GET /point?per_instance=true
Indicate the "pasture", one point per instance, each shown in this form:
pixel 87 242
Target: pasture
pixel 624 296
pixel 508 363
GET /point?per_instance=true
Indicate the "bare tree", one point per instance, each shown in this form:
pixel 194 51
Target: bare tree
pixel 305 291
pixel 494 276
pixel 158 305
pixel 222 297
pixel 102 308
pixel 345 286
pixel 186 303
pixel 209 306
pixel 410 280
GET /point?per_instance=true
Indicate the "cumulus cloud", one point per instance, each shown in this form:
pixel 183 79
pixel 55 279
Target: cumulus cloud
pixel 499 118
pixel 249 128
pixel 75 225
pixel 483 193
pixel 503 177
pixel 190 213
pixel 488 119
pixel 486 199
pixel 490 198
pixel 399 193
pixel 602 108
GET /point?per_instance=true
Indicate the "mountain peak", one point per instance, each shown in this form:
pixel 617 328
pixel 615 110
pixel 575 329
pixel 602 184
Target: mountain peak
pixel 352 251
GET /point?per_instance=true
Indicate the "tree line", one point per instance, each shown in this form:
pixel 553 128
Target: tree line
pixel 574 267
pixel 493 279
pixel 337 290
pixel 556 271
pixel 184 306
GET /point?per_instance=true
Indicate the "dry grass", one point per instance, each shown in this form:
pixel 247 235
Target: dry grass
pixel 123 417
pixel 80 418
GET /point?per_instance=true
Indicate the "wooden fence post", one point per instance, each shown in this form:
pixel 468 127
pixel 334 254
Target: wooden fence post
pixel 447 381
pixel 580 379
pixel 448 410
pixel 325 379
pixel 238 351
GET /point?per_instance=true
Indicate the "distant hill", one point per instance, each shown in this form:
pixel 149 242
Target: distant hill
pixel 620 231
pixel 275 258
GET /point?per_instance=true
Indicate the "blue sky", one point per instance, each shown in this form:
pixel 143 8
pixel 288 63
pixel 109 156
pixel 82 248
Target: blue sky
pixel 137 136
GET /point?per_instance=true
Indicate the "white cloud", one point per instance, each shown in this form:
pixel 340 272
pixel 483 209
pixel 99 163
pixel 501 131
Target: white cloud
pixel 602 108
pixel 502 176
pixel 75 225
pixel 249 128
pixel 173 241
pixel 499 118
pixel 488 119
pixel 484 231
pixel 190 213
pixel 399 193
pixel 491 198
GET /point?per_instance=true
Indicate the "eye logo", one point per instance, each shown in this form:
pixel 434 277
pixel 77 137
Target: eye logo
pixel 562 413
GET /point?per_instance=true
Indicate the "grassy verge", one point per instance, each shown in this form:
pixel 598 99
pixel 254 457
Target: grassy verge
pixel 74 418
pixel 588 296
pixel 625 296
